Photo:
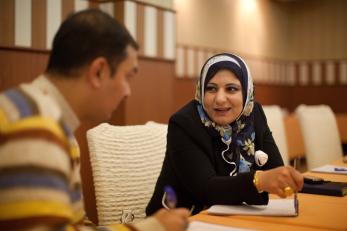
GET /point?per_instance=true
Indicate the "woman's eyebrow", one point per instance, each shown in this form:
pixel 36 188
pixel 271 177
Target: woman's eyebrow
pixel 232 84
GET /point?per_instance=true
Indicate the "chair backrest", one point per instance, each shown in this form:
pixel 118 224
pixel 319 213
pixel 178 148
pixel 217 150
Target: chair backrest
pixel 275 120
pixel 126 162
pixel 320 134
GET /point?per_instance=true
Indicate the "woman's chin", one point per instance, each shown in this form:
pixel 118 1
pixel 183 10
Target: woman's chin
pixel 222 121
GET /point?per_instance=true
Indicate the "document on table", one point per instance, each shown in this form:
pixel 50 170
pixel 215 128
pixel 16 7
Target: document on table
pixel 203 226
pixel 331 169
pixel 275 207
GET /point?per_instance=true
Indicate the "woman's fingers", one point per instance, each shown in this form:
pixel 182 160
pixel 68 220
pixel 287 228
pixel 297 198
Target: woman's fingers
pixel 280 193
pixel 282 181
pixel 298 179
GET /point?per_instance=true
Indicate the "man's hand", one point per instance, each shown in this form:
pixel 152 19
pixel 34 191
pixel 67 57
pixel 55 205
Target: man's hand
pixel 173 219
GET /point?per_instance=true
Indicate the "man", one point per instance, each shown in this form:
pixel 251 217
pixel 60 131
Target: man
pixel 92 59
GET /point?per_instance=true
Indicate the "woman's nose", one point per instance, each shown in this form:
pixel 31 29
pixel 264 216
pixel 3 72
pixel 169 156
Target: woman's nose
pixel 220 97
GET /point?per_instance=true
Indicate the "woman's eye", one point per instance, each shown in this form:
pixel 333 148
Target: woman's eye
pixel 232 89
pixel 211 88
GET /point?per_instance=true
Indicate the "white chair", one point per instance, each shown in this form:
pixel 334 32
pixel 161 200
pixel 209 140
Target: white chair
pixel 320 134
pixel 275 120
pixel 126 162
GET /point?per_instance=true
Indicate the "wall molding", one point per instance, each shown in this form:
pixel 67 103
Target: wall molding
pixel 27 24
pixel 271 71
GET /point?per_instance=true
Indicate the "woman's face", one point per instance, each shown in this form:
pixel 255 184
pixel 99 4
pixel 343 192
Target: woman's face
pixel 223 97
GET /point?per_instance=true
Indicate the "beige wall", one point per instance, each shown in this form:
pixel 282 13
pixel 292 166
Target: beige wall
pixel 259 31
pixel 202 22
pixel 301 29
pixel 230 25
pixel 318 29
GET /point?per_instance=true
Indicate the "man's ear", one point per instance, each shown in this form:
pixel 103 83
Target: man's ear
pixel 96 71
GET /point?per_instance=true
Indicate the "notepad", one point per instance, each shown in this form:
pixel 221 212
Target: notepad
pixel 275 207
pixel 203 226
pixel 331 169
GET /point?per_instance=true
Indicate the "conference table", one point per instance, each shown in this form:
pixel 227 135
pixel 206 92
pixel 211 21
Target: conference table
pixel 316 212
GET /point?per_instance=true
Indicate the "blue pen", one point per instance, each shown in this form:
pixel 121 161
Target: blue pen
pixel 340 169
pixel 170 197
pixel 169 200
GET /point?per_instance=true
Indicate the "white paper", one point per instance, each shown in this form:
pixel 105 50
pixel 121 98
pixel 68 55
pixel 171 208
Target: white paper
pixel 275 207
pixel 203 226
pixel 331 169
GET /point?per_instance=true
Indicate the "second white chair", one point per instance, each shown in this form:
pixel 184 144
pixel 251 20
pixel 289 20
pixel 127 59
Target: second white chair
pixel 320 134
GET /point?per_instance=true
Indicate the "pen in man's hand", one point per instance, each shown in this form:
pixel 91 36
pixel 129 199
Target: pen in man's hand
pixel 170 197
pixel 169 200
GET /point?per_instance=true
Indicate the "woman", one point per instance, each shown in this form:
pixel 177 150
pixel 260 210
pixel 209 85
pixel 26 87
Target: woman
pixel 219 147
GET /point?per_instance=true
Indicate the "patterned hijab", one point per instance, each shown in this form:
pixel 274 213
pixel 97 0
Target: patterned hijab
pixel 239 135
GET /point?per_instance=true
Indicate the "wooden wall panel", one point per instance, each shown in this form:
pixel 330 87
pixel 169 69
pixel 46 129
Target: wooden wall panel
pixel 38 34
pixel 268 95
pixel 68 6
pixel 7 22
pixel 93 4
pixel 334 96
pixel 152 94
pixel 19 66
pixel 341 120
pixel 183 92
pixel 119 7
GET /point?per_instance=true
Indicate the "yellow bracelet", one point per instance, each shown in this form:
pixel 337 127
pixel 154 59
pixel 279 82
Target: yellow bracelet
pixel 256 182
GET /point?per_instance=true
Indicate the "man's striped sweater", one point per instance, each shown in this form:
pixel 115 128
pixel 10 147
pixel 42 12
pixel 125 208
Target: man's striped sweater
pixel 40 185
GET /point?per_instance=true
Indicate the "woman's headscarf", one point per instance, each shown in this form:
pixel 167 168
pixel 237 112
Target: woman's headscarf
pixel 239 135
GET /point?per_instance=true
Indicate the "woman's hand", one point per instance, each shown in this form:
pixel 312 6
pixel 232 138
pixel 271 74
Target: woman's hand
pixel 277 179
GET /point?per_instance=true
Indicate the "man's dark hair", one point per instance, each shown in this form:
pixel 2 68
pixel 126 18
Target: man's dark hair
pixel 84 36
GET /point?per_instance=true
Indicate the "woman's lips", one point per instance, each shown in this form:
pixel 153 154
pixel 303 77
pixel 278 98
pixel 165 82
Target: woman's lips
pixel 221 111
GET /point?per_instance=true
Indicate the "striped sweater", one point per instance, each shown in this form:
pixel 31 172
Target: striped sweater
pixel 40 185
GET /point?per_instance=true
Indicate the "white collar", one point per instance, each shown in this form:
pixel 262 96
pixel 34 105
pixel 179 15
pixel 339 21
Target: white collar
pixel 47 87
